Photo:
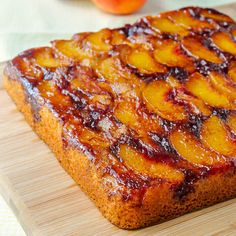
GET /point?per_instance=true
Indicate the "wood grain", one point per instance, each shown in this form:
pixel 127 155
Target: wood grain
pixel 48 202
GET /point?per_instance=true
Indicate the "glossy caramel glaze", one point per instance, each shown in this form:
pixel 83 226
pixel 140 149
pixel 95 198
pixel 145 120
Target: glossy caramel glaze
pixel 148 102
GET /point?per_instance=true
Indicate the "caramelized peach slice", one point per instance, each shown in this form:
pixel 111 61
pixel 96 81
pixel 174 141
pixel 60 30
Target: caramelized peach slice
pixel 156 96
pixel 70 49
pixel 80 47
pixel 222 84
pixel 197 49
pixel 169 52
pixel 92 92
pixel 197 105
pixel 225 42
pixel 137 162
pixel 85 135
pixel 185 19
pixel 79 37
pixel 144 40
pixel 120 81
pixel 165 25
pixel 108 68
pixel 118 37
pixel 214 135
pixel 85 85
pixel 212 14
pixel 231 121
pixel 233 32
pixel 100 41
pixel 24 65
pixel 232 71
pixel 126 114
pixel 92 138
pixel 101 100
pixel 49 90
pixel 173 82
pixel 46 57
pixel 192 150
pixel 143 61
pixel 201 88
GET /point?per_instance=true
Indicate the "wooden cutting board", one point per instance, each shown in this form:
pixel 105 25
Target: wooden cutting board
pixel 48 202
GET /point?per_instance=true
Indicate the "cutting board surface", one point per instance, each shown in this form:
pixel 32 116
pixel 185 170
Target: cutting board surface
pixel 48 202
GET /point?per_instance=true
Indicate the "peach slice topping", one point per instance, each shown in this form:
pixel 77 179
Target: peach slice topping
pixel 117 38
pixel 127 113
pixel 192 150
pixel 197 105
pixel 70 49
pixel 215 15
pixel 46 57
pixel 222 84
pixel 232 71
pixel 233 32
pixel 163 24
pixel 196 48
pixel 169 52
pixel 231 121
pixel 119 80
pixel 173 82
pixel 137 162
pixel 215 135
pixel 25 67
pixel 225 42
pixel 108 69
pixel 156 98
pixel 49 90
pixel 94 93
pixel 86 136
pixel 142 60
pixel 100 41
pixel 199 86
pixel 184 19
pixel 77 49
pixel 89 137
pixel 85 84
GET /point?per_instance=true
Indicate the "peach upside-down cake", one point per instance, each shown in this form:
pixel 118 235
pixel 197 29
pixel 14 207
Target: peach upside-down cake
pixel 142 117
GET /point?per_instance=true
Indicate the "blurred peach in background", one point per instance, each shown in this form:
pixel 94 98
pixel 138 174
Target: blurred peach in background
pixel 119 6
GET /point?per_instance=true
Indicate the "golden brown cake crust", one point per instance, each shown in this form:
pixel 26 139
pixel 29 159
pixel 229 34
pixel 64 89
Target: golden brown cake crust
pixel 129 193
pixel 157 205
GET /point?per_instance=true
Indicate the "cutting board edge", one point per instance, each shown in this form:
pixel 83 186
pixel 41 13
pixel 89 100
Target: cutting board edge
pixel 14 201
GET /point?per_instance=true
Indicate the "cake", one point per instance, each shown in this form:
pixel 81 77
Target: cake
pixel 142 117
